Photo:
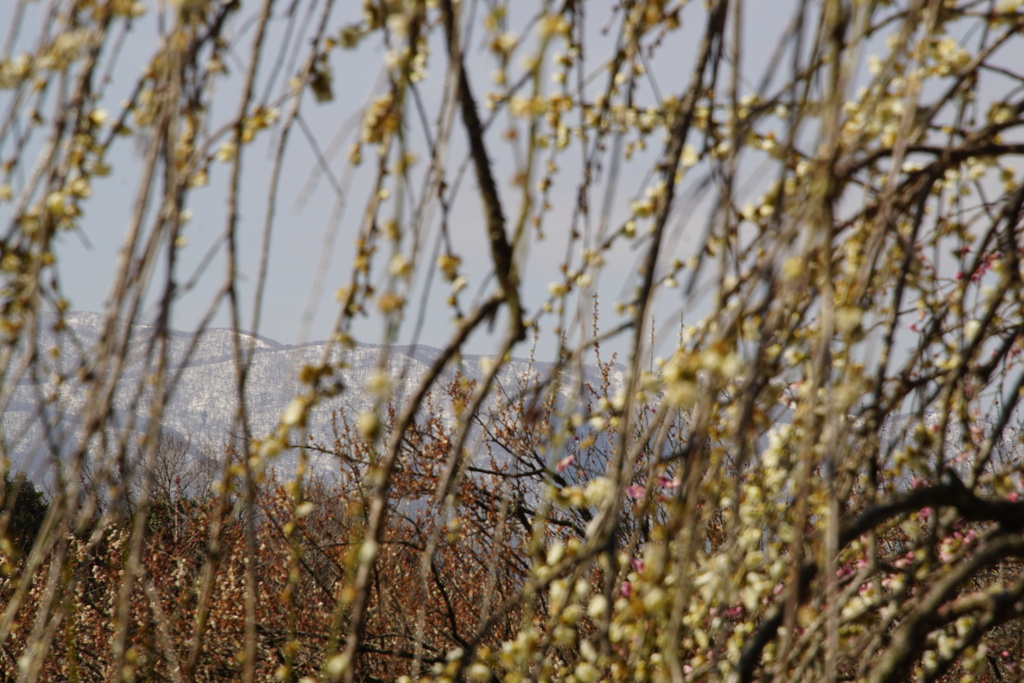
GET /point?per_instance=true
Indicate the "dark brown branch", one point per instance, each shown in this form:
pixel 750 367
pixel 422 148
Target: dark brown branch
pixel 501 250
pixel 953 494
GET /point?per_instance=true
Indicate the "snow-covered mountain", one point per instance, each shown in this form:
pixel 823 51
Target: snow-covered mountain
pixel 44 416
pixel 43 411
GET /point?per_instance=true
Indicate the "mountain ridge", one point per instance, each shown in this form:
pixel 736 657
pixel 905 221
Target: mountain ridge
pixel 204 400
pixel 42 418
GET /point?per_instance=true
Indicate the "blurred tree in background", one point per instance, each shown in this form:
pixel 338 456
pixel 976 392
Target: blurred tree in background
pixel 24 517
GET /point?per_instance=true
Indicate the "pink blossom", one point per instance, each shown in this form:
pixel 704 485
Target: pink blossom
pixel 635 491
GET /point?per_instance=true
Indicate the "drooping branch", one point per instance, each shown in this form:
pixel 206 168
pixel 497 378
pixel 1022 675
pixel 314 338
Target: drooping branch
pixel 951 494
pixel 501 251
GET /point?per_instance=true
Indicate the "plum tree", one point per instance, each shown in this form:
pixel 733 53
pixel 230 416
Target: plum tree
pixel 788 448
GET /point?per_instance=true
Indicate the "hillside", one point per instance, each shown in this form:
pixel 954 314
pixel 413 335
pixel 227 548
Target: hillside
pixel 43 417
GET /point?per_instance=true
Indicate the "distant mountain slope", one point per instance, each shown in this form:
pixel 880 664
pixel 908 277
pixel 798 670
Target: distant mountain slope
pixel 204 401
pixel 203 404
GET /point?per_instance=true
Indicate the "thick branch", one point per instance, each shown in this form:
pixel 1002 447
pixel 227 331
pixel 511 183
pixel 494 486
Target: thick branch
pixel 501 250
pixel 1009 515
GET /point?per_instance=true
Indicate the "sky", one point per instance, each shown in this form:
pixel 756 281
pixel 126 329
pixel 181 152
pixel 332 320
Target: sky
pixel 322 198
pixel 312 245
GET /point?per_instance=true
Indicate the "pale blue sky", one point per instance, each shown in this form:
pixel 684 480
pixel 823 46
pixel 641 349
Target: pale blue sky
pixel 310 230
